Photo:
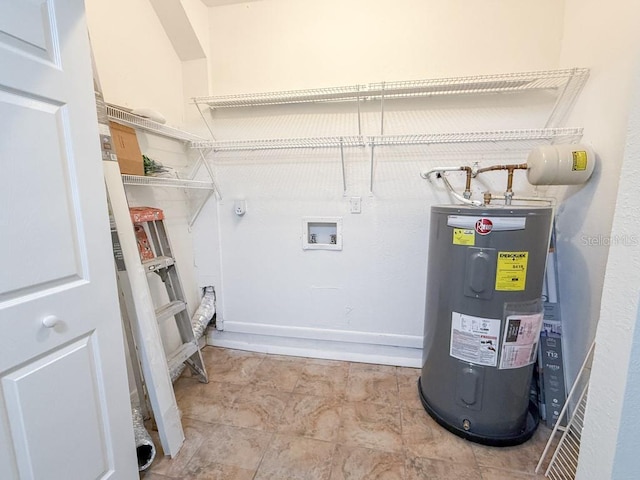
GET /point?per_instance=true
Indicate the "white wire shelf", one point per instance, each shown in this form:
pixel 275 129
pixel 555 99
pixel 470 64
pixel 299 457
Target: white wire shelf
pixel 119 115
pixel 167 182
pixel 558 80
pixel 527 138
pixel 328 94
pixel 280 143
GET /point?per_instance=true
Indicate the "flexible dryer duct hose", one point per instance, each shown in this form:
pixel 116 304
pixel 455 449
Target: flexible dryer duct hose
pixel 199 322
pixel 204 313
pixel 145 449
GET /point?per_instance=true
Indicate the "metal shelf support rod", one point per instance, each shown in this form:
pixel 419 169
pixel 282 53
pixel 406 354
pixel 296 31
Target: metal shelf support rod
pixel 203 159
pixel 199 208
pixel 213 137
pixel 371 168
pixel 567 97
pixel 382 110
pixel 344 178
pixel 358 104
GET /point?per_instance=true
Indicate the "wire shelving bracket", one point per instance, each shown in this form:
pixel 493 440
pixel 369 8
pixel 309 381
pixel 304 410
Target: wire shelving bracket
pixel 121 116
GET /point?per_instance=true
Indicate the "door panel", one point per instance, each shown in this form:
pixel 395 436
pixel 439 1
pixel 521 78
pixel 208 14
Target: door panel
pixel 64 399
pixel 26 27
pixel 46 204
pixel 62 382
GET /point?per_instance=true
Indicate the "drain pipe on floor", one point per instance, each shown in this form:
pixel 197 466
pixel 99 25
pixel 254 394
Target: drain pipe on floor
pixel 199 322
pixel 145 448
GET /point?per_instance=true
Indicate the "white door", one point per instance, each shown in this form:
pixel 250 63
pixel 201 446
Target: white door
pixel 64 403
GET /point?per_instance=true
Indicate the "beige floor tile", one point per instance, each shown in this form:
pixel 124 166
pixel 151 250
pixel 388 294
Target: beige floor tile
pixel 426 468
pixel 327 379
pixel 206 402
pixel 371 425
pixel 354 463
pixel 154 476
pixel 372 385
pixel 489 473
pixel 196 433
pixel 296 458
pixel 371 367
pixel 226 445
pixel 311 416
pixel 278 374
pixel 521 458
pixel 267 417
pixel 324 361
pixel 423 437
pixel 231 366
pixel 408 387
pixel 217 471
pixel 256 407
pixel 287 358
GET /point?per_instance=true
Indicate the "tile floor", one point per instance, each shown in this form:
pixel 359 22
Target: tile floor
pixel 288 418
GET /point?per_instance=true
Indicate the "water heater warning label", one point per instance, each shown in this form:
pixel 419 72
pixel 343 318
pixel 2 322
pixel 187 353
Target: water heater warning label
pixel 520 342
pixel 579 161
pixel 464 236
pixel 474 339
pixel 511 272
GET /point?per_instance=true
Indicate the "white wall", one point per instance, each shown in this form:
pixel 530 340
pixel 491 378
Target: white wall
pixel 609 448
pixel 626 462
pixel 135 60
pixel 288 44
pixel 605 38
pixel 372 292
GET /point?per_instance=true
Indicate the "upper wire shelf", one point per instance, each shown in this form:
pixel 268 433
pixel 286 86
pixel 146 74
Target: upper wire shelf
pixel 280 143
pixel 540 135
pixel 534 136
pixel 166 182
pixel 119 115
pixel 558 80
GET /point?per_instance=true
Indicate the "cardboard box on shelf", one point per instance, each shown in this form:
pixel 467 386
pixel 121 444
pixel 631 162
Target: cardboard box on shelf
pixel 127 149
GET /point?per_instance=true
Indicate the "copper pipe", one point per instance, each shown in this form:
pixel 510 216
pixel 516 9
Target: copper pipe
pixel 509 169
pixel 467 187
pixel 519 166
pixel 509 179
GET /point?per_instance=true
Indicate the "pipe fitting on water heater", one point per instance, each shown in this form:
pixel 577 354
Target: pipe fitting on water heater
pixel 564 164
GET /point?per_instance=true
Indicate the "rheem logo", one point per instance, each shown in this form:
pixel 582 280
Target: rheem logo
pixel 484 226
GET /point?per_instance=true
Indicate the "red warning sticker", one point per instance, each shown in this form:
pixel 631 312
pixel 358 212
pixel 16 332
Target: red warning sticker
pixel 484 226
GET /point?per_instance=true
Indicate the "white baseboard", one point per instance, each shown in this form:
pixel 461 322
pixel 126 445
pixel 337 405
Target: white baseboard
pixel 383 349
pixel 326 334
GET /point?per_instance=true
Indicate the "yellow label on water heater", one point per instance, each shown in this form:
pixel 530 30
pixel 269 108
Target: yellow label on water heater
pixel 511 272
pixel 464 236
pixel 579 160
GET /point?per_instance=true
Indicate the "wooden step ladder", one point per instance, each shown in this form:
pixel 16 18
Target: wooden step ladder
pixel 157 258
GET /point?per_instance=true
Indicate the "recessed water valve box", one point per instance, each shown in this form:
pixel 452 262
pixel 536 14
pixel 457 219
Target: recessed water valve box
pixel 322 233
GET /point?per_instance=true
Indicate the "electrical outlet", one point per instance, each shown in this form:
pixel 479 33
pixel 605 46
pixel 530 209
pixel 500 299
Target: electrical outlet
pixel 240 207
pixel 355 204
